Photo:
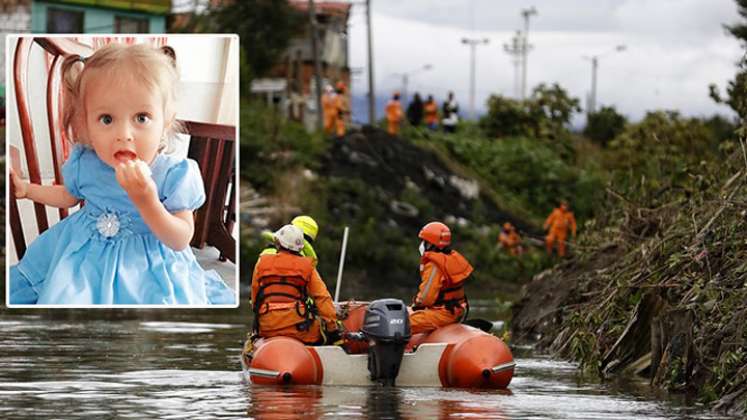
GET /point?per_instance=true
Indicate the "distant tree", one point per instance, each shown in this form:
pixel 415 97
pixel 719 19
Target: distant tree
pixel 736 90
pixel 554 103
pixel 545 114
pixel 739 30
pixel 604 125
pixel 265 29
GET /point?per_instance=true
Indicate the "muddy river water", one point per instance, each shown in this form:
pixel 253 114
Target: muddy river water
pixel 185 364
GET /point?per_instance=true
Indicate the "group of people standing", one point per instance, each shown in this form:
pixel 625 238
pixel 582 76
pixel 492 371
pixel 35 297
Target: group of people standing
pixel 336 112
pixel 427 113
pixel 423 113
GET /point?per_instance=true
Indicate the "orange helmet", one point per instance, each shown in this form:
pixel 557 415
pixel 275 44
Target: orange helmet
pixel 508 226
pixel 436 233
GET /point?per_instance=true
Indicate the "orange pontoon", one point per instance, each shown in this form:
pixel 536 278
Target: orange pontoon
pixel 456 355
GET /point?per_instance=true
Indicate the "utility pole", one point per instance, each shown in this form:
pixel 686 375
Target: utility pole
pixel 527 13
pixel 591 105
pixel 405 82
pixel 516 50
pixel 371 91
pixel 593 98
pixel 473 43
pixel 317 67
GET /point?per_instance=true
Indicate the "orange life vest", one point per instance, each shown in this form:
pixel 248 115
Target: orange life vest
pixel 283 279
pixel 455 269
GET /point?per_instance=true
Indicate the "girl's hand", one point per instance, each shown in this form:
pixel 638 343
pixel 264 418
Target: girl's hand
pixel 134 177
pixel 21 186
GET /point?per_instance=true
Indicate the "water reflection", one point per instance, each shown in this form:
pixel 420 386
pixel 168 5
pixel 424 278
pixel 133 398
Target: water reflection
pixel 384 403
pixel 276 402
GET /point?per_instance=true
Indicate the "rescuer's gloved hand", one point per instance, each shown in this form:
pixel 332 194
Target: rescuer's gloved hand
pixel 335 335
pixel 334 338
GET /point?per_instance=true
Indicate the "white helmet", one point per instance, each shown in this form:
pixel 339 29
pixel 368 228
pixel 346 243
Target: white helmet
pixel 290 237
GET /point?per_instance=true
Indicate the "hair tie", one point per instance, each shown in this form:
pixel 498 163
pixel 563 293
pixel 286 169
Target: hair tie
pixel 81 59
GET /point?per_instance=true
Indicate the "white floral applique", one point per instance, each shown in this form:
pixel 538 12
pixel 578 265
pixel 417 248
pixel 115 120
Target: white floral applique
pixel 107 224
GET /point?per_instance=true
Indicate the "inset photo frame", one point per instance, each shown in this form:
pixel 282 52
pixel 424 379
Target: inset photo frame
pixel 122 171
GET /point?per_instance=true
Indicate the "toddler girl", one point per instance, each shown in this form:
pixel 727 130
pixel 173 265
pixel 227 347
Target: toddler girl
pixel 129 243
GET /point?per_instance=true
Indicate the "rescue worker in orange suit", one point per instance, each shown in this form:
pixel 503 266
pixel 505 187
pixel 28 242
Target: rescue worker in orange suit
pixel 342 106
pixel 441 299
pixel 329 110
pixel 288 295
pixel 557 224
pixel 393 114
pixel 430 111
pixel 510 240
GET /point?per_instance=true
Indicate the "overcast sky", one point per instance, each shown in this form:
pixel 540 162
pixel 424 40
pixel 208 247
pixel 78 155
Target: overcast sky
pixel 675 49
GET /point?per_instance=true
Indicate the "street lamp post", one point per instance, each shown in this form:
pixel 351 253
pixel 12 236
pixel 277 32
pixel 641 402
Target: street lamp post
pixel 473 43
pixel 592 101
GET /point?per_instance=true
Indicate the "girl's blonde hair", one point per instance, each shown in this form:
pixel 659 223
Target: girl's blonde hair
pixel 154 67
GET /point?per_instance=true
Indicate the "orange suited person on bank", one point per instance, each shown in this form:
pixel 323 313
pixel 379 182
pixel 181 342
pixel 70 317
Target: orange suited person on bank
pixel 329 110
pixel 288 295
pixel 342 109
pixel 393 115
pixel 441 299
pixel 510 240
pixel 557 224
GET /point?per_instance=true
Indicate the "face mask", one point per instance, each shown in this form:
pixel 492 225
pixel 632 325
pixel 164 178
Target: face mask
pixel 421 248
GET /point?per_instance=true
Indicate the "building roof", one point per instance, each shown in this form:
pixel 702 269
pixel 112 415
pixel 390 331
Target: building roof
pixel 158 7
pixel 339 8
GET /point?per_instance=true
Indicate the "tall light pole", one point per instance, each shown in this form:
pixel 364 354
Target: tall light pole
pixel 371 94
pixel 406 80
pixel 527 13
pixel 592 101
pixel 473 43
pixel 516 50
pixel 317 67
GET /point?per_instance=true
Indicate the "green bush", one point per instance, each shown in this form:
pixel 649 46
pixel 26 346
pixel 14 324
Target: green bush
pixel 661 153
pixel 604 125
pixel 544 115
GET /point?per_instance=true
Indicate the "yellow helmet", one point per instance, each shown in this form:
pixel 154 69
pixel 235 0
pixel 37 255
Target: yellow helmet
pixel 308 225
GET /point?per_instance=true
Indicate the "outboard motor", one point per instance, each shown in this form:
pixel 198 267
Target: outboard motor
pixel 386 325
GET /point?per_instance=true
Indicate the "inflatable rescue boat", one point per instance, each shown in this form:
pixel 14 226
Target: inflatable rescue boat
pixel 379 348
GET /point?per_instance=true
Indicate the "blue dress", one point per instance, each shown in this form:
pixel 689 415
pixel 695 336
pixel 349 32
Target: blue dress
pixel 106 254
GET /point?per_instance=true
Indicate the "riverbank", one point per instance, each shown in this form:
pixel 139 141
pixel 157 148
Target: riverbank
pixel 656 290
